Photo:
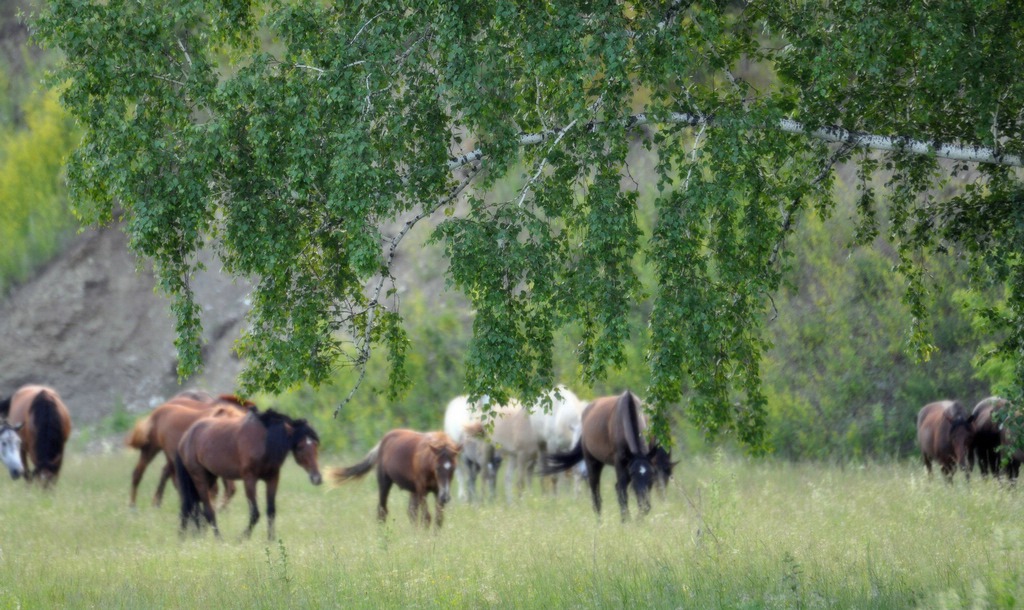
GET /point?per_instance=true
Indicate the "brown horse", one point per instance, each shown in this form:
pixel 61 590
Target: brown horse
pixel 612 434
pixel 419 463
pixel 251 448
pixel 45 426
pixel 163 428
pixel 944 433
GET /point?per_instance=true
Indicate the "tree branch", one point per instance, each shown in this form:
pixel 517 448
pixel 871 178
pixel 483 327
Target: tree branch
pixel 364 349
pixel 956 152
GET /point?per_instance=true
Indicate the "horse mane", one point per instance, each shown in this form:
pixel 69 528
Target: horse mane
pixel 236 400
pixel 278 439
pixel 627 408
pixel 440 440
pixel 49 442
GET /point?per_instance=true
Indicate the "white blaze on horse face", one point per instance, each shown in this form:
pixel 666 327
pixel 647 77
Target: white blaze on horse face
pixel 447 465
pixel 643 470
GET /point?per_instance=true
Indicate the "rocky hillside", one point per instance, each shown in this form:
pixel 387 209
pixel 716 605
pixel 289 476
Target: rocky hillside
pixel 90 325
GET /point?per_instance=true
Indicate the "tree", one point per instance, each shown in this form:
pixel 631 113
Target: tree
pixel 304 139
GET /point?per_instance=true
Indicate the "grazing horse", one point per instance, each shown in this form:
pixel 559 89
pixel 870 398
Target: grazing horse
pixel 944 433
pixel 163 428
pixel 44 425
pixel 612 434
pixel 251 448
pixel 988 436
pixel 463 425
pixel 417 462
pixel 10 449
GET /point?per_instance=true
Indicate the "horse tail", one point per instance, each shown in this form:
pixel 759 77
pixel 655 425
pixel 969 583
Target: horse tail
pixel 49 437
pixel 5 407
pixel 342 475
pixel 630 413
pixel 190 501
pixel 560 462
pixel 139 436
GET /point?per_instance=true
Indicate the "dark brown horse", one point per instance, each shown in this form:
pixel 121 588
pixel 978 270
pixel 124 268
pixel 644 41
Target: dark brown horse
pixel 251 448
pixel 162 429
pixel 612 434
pixel 419 463
pixel 45 426
pixel 987 436
pixel 944 434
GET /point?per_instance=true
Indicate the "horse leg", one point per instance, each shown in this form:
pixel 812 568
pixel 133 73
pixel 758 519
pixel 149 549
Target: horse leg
pixel 439 509
pixel 146 455
pixel 467 479
pixel 414 506
pixel 510 473
pixel 594 478
pixel 229 492
pixel 166 473
pixel 271 504
pixel 29 473
pixel 622 490
pixel 202 484
pixel 254 509
pixel 384 487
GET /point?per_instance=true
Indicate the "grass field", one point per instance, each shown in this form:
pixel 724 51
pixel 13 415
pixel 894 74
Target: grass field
pixel 731 533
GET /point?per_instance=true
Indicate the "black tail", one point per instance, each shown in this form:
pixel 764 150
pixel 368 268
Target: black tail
pixel 560 462
pixel 190 504
pixel 5 407
pixel 49 437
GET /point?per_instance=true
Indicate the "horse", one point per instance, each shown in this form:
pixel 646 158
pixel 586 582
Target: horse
pixel 251 448
pixel 163 428
pixel 10 449
pixel 556 427
pixel 612 434
pixel 44 425
pixel 527 436
pixel 988 436
pixel 944 434
pixel 520 444
pixel 417 462
pixel 463 425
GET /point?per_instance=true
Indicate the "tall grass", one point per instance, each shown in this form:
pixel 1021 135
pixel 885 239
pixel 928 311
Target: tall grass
pixel 730 533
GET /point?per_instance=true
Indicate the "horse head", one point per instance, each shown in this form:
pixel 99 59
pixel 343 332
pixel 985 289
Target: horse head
pixel 446 456
pixel 305 448
pixel 961 432
pixel 641 474
pixel 661 459
pixel 10 449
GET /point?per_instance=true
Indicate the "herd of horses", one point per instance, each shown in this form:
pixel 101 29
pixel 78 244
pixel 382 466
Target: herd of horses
pixel 955 439
pixel 206 439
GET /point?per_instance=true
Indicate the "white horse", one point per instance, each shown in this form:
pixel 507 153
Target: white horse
pixel 10 449
pixel 462 422
pixel 524 436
